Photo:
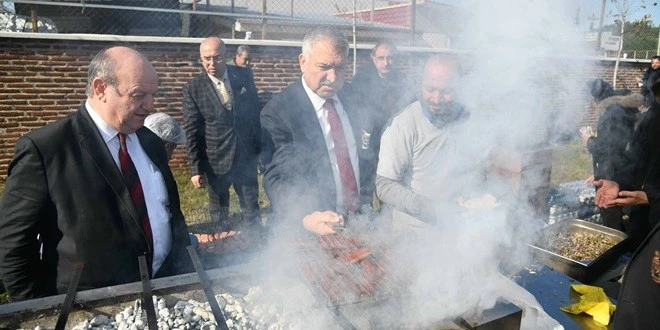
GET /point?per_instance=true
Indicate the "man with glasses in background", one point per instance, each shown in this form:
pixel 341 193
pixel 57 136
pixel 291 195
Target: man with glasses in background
pixel 221 120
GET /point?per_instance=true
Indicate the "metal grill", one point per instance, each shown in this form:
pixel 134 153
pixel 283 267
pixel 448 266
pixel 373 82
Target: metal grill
pixel 327 267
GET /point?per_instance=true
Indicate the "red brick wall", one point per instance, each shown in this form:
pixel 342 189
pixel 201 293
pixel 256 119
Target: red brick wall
pixel 43 80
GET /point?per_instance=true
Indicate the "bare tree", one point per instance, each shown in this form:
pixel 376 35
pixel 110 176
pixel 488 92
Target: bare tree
pixel 624 9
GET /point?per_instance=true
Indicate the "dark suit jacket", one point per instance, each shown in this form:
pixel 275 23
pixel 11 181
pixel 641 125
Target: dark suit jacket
pixel 64 186
pixel 298 178
pixel 217 135
pixel 639 298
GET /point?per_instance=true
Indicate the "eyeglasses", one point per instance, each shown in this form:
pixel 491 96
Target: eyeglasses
pixel 209 59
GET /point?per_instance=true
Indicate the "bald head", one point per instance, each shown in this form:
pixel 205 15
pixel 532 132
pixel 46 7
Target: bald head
pixel 211 53
pixel 121 88
pixel 438 80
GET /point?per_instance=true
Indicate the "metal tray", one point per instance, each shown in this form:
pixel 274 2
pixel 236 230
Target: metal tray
pixel 584 271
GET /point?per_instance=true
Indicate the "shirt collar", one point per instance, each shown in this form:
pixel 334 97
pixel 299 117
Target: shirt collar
pixel 107 132
pixel 216 80
pixel 317 101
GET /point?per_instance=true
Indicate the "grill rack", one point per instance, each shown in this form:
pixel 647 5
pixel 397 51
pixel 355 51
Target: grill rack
pixel 327 270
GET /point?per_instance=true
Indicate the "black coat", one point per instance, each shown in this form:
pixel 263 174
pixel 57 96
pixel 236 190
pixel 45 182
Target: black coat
pixel 650 76
pixel 639 169
pixel 64 186
pixel 298 178
pixel 639 299
pixel 378 100
pixel 616 124
pixel 215 135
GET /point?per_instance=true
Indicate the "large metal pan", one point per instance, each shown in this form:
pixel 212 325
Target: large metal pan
pixel 585 271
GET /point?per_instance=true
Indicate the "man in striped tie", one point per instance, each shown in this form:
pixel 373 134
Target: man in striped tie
pixel 311 130
pixel 97 190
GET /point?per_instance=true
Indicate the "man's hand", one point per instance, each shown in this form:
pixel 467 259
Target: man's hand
pixel 197 181
pixel 323 223
pixel 606 193
pixel 630 198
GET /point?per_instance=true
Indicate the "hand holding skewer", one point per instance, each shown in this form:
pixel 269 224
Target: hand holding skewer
pixel 323 223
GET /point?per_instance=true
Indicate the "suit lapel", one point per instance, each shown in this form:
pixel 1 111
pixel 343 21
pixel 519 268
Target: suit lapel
pixel 309 122
pixel 209 89
pixel 92 143
pixel 235 80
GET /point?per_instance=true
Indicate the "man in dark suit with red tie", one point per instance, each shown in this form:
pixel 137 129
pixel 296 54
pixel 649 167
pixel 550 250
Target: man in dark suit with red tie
pixel 95 187
pixel 221 120
pixel 312 133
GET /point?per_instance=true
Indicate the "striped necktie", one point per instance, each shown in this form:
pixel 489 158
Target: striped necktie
pixel 134 186
pixel 346 173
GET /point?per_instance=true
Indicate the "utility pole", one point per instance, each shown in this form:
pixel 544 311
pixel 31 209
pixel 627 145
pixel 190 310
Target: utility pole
pixel 600 25
pixel 413 9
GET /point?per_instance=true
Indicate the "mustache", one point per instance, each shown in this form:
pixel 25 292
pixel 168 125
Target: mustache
pixel 330 84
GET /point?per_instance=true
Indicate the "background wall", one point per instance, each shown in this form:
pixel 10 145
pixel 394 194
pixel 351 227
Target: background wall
pixel 42 80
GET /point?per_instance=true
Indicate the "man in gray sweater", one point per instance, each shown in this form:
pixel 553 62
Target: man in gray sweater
pixel 419 155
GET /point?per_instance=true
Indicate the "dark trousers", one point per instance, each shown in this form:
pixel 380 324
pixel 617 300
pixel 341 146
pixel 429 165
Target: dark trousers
pixel 612 217
pixel 243 176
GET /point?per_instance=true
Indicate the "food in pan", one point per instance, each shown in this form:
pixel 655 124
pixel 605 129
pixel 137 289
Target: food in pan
pixel 580 246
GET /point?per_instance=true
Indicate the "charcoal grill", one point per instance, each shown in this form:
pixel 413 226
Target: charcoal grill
pixel 325 265
pixel 342 285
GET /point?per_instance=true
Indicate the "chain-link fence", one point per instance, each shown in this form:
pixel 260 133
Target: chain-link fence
pixel 241 19
pixel 411 22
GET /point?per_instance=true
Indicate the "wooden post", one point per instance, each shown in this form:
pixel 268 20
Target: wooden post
pixel 263 20
pixel 35 20
pixel 373 5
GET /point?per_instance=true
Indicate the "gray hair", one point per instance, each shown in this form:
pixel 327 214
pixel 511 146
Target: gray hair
pixel 335 36
pixel 242 49
pixel 104 67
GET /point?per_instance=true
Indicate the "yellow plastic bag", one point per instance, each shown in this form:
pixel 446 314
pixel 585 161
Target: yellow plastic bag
pixel 593 301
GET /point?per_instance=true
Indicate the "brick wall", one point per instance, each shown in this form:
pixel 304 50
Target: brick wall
pixel 43 80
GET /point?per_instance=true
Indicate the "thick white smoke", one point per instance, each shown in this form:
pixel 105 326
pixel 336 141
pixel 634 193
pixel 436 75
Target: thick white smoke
pixel 524 87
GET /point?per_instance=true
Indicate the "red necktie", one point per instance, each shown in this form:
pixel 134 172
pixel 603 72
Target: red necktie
pixel 135 188
pixel 346 174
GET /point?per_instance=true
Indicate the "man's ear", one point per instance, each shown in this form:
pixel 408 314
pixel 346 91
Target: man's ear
pixel 99 87
pixel 301 61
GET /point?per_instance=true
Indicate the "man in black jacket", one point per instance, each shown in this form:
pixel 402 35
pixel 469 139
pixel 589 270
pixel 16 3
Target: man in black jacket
pixel 311 127
pixel 381 90
pixel 221 120
pixel 96 188
pixel 636 175
pixel 617 112
pixel 650 75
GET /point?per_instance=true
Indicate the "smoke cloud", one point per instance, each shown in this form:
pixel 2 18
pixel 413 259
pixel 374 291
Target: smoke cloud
pixel 523 85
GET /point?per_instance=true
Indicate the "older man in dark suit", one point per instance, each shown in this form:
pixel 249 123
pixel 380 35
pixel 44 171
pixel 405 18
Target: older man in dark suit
pixel 221 120
pixel 96 188
pixel 313 133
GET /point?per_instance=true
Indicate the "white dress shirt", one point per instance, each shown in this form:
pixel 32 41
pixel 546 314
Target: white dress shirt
pixel 153 186
pixel 322 115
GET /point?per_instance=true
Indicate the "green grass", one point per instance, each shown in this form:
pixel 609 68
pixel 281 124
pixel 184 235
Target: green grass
pixel 570 162
pixel 195 202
